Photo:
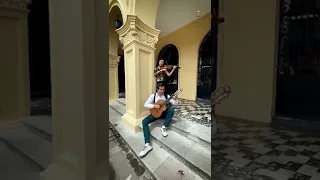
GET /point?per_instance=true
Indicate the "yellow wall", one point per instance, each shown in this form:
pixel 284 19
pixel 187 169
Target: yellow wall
pixel 187 39
pixel 247 58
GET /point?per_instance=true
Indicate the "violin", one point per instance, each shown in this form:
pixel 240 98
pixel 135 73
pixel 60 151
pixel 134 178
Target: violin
pixel 168 67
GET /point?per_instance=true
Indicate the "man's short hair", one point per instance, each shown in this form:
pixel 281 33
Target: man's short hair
pixel 160 85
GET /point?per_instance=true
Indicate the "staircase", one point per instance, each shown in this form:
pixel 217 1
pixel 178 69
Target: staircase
pixel 30 143
pixel 187 141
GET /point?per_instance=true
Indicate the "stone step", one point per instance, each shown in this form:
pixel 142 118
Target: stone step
pixel 196 156
pixel 14 165
pixel 184 145
pixel 194 131
pixel 118 106
pixel 40 125
pixel 33 147
pixel 122 101
pixel 159 161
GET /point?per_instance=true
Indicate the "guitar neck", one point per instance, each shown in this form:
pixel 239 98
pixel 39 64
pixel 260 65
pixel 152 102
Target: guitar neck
pixel 167 101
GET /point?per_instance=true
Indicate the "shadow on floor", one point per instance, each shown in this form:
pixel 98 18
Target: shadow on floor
pixel 112 172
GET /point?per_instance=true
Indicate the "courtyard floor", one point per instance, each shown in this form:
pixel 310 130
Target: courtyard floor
pixel 242 150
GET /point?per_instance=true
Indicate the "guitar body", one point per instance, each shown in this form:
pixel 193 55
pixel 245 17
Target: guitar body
pixel 164 105
pixel 157 112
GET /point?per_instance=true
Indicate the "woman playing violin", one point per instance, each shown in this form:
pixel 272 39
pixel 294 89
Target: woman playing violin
pixel 162 72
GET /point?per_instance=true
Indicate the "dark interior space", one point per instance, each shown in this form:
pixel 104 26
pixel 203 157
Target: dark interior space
pixel 39 49
pixel 121 75
pixel 170 55
pixel 298 80
pixel 205 68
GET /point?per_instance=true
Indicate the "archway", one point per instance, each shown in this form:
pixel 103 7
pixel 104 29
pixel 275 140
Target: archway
pixel 205 68
pixel 117 75
pixel 170 54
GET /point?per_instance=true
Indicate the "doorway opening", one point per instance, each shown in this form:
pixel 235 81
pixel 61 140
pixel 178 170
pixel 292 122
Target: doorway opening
pixel 205 62
pixel 170 54
pixel 39 57
pixel 121 76
pixel 298 75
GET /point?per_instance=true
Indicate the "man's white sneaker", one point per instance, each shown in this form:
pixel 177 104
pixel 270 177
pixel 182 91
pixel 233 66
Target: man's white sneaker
pixel 145 151
pixel 164 131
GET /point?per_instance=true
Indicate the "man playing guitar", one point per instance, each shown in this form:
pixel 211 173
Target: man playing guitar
pixel 167 115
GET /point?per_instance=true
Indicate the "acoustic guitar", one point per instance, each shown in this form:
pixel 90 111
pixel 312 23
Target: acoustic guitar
pixel 217 97
pixel 164 105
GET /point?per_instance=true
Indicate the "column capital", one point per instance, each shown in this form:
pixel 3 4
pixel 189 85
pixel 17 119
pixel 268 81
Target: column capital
pixel 21 5
pixel 135 30
pixel 114 60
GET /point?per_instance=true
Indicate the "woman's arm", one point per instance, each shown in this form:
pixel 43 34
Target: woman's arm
pixel 170 73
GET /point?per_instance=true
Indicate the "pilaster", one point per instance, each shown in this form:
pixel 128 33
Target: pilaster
pixel 113 77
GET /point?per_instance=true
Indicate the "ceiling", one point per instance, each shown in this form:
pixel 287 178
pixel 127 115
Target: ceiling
pixel 173 14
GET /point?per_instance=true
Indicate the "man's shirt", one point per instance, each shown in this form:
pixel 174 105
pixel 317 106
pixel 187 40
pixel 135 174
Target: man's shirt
pixel 149 103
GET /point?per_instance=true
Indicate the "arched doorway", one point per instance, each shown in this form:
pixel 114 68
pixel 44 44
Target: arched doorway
pixel 170 55
pixel 115 50
pixel 205 68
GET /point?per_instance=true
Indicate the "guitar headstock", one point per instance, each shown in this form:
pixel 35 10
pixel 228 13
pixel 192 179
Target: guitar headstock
pixel 178 92
pixel 220 94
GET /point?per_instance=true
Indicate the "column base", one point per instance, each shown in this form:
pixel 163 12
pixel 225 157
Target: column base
pixel 102 173
pixel 55 172
pixel 64 168
pixel 132 123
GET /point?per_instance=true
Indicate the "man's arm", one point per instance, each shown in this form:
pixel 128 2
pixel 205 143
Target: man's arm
pixel 174 102
pixel 149 103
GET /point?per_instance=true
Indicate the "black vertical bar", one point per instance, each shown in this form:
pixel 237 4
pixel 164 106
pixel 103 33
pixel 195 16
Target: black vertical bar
pixel 214 35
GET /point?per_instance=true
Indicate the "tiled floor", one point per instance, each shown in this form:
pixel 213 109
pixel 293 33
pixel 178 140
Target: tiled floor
pixel 199 112
pixel 243 151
